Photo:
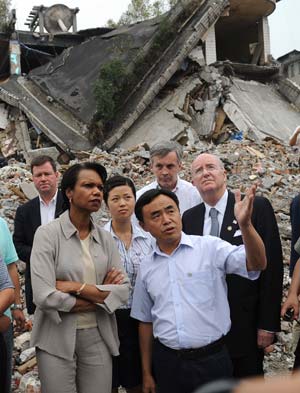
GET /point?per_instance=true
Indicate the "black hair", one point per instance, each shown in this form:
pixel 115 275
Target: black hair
pixel 41 160
pixel 70 177
pixel 148 197
pixel 117 181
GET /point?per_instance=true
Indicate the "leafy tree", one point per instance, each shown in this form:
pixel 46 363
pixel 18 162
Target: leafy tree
pixel 4 13
pixel 111 81
pixel 139 10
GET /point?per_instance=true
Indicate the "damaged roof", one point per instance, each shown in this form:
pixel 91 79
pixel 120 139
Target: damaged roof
pixel 72 81
pixel 171 95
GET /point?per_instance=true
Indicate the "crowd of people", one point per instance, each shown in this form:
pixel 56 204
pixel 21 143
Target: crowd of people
pixel 182 287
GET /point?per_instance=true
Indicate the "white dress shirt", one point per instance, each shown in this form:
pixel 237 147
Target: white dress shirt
pixel 48 211
pixel 220 207
pixel 184 294
pixel 186 193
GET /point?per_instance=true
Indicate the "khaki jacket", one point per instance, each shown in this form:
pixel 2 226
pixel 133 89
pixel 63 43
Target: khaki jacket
pixel 56 255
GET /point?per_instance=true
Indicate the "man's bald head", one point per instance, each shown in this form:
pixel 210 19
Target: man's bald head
pixel 209 177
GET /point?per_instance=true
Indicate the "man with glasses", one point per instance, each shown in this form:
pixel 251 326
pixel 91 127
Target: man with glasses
pixel 38 211
pixel 254 305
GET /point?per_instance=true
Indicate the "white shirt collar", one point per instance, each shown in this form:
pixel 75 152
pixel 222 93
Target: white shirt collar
pixel 220 205
pixel 53 200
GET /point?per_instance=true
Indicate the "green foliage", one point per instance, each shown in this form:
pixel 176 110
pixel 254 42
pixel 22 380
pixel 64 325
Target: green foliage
pixel 111 81
pixel 139 10
pixel 111 23
pixel 4 13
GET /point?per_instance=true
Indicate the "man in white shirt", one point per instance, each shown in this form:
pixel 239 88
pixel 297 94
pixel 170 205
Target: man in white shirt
pixel 38 211
pixel 165 161
pixel 180 294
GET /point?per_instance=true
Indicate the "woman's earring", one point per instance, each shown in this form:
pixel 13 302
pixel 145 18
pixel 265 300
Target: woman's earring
pixel 70 201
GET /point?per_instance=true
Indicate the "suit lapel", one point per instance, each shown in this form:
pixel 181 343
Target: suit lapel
pixel 229 225
pixel 36 216
pixel 59 204
pixel 201 215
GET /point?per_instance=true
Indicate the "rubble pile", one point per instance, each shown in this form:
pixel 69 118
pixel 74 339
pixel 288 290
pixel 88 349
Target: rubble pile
pixel 273 165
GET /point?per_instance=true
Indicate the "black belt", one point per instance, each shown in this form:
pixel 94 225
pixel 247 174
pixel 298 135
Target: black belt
pixel 207 350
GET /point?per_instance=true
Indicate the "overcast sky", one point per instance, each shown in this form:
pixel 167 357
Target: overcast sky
pixel 284 22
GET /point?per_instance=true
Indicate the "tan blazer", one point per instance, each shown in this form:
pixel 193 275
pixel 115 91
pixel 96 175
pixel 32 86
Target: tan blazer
pixel 57 255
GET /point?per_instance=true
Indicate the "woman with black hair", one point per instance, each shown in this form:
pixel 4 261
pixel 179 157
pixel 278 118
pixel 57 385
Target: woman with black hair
pixel 78 282
pixel 133 244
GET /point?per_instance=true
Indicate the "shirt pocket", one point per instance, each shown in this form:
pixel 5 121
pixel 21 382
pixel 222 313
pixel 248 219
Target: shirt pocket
pixel 198 288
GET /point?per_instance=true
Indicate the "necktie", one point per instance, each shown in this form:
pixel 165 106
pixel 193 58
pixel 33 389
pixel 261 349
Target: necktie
pixel 214 230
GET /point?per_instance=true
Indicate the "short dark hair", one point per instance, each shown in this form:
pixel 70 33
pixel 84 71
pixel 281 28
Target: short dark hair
pixel 70 177
pixel 148 197
pixel 41 160
pixel 117 181
pixel 161 149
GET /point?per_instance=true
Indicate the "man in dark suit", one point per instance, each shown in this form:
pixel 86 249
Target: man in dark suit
pixel 38 211
pixel 254 305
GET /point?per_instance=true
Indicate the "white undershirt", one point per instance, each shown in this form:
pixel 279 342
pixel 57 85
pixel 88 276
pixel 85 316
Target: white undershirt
pixel 47 210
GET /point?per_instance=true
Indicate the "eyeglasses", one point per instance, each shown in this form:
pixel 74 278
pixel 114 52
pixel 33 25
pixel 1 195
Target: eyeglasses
pixel 207 168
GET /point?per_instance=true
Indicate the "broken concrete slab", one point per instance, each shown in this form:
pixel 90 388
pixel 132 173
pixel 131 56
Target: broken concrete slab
pixel 53 120
pixel 29 190
pixel 290 90
pixel 259 108
pixel 48 151
pixel 204 124
pixel 165 118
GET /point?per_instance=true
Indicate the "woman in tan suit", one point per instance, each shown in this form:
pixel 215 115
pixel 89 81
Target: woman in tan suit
pixel 78 282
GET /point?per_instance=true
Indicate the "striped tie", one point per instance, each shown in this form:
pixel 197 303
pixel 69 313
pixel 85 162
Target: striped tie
pixel 214 230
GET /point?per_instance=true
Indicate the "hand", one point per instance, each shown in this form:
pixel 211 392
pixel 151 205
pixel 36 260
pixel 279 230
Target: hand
pixel 148 384
pixel 83 305
pixel 68 286
pixel 19 318
pixel 4 323
pixel 291 302
pixel 114 276
pixel 243 208
pixel 264 338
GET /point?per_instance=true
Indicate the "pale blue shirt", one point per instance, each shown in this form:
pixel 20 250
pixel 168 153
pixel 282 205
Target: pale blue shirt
pixel 5 281
pixel 184 294
pixel 141 245
pixel 7 249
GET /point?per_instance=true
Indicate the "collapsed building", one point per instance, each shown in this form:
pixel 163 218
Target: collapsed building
pixel 203 71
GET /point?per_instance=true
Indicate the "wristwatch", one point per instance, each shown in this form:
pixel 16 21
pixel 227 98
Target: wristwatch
pixel 16 307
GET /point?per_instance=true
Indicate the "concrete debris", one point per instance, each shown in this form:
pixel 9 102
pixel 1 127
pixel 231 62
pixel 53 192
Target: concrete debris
pixel 218 107
pixel 30 383
pixel 177 96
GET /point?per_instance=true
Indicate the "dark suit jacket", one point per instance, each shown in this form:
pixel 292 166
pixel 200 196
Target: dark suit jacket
pixel 27 220
pixel 295 223
pixel 253 304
